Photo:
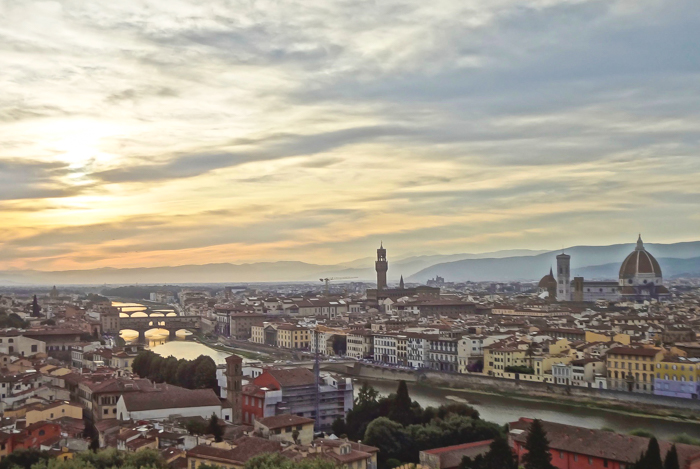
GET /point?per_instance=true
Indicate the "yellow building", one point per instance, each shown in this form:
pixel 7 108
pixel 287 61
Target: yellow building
pixel 498 357
pixel 632 368
pixel 53 411
pixel 293 337
pixel 257 334
pixel 286 427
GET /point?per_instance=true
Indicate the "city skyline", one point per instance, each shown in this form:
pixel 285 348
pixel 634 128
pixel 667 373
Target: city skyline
pixel 170 133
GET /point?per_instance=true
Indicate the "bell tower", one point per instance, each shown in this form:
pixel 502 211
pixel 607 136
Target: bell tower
pixel 381 266
pixel 563 277
pixel 234 387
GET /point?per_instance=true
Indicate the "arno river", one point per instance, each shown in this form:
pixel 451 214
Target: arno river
pixel 498 409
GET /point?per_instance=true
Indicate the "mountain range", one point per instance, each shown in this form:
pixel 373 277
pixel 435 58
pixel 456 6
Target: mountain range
pixel 592 262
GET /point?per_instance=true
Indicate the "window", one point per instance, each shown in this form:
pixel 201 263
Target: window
pixel 590 460
pixel 575 457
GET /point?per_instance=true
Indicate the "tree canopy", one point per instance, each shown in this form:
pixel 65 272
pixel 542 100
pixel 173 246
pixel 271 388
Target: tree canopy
pixel 401 428
pixel 107 459
pixel 199 373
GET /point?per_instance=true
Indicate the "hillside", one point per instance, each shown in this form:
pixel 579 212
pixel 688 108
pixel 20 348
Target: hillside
pixel 534 267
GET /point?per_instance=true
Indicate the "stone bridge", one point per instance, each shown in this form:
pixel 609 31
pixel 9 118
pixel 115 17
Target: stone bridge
pixel 171 323
pixel 148 312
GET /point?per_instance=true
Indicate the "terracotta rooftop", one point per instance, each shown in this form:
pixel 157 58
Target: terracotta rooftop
pixel 284 420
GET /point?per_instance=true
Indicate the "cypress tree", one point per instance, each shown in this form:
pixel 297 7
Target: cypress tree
pixel 671 461
pixel 537 446
pixel 652 457
pixel 500 455
pixel 401 407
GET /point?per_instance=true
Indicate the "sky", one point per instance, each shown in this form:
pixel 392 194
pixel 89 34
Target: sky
pixel 169 132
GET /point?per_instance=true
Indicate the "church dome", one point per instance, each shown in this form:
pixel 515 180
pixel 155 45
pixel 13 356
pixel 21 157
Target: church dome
pixel 640 263
pixel 548 281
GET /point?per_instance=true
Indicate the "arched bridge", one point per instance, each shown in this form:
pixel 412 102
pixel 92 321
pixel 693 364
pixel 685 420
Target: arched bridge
pixel 171 323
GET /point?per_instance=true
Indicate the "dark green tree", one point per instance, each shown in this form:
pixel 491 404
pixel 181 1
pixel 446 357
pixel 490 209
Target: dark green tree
pixel 215 429
pixel 205 373
pixel 671 461
pixel 388 436
pixel 537 446
pixel 23 458
pixel 500 455
pixel 401 407
pixel 651 459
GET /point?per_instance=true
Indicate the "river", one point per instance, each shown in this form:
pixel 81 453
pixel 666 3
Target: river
pixel 501 409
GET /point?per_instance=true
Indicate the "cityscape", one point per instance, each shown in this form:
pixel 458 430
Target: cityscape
pixel 223 375
pixel 327 234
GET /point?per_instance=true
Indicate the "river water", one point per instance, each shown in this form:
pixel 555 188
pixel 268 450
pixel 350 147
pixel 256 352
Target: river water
pixel 501 409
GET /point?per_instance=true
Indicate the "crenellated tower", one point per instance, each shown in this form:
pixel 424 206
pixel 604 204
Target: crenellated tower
pixel 381 266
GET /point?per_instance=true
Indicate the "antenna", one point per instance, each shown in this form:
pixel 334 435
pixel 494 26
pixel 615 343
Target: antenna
pixel 317 377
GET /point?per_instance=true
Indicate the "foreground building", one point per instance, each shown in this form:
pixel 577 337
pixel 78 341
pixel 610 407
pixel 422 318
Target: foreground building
pixel 577 447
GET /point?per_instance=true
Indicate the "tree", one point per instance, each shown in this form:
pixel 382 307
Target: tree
pixel 500 455
pixel 215 429
pixel 36 309
pixel 401 407
pixel 23 458
pixel 205 373
pixel 671 461
pixel 339 427
pixel 196 427
pixel 537 446
pixel 651 459
pixel 388 436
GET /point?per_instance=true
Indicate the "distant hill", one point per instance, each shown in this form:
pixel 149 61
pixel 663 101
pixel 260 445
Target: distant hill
pixel 670 267
pixel 520 264
pixel 534 267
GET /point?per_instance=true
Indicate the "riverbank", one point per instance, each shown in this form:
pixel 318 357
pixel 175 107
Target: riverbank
pixel 219 347
pixel 675 409
pixel 672 409
pixel 629 410
pixel 504 408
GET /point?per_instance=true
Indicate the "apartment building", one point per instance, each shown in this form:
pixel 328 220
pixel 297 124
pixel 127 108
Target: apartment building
pixel 360 344
pixel 632 368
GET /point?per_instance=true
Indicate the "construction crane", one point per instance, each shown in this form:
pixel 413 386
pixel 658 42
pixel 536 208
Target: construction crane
pixel 328 281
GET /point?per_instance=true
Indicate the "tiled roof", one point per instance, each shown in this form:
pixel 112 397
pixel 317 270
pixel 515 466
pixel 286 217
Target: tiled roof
pixel 451 456
pixel 292 377
pixel 170 397
pixel 284 420
pixel 599 443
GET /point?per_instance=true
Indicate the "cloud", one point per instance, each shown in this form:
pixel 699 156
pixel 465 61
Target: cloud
pixel 145 135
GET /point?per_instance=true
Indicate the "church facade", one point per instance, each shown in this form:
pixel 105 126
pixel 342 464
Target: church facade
pixel 640 279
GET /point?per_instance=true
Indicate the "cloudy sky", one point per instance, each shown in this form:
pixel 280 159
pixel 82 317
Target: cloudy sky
pixel 164 132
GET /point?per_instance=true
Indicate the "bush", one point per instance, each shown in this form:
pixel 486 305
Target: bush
pixel 686 439
pixel 522 369
pixel 641 432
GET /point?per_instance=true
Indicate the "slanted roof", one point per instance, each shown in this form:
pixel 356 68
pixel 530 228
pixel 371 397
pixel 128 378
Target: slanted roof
pixel 284 420
pixel 170 397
